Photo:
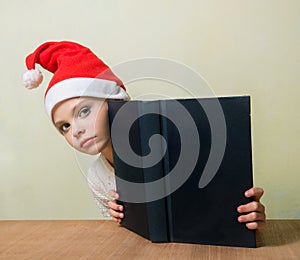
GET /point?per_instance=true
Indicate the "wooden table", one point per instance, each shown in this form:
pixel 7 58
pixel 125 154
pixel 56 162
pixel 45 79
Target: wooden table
pixel 104 239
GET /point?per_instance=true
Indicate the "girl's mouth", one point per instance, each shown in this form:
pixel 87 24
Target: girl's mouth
pixel 86 142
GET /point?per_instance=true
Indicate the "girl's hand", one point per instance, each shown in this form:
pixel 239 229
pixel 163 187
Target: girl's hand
pixel 254 212
pixel 115 210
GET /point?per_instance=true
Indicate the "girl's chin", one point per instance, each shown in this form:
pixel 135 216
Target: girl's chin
pixel 90 151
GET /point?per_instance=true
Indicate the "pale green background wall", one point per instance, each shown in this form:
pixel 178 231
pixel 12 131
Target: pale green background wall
pixel 240 47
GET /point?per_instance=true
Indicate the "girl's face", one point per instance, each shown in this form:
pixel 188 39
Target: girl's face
pixel 84 123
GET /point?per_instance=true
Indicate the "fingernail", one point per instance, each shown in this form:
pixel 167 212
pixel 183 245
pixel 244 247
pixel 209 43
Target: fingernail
pixel 121 208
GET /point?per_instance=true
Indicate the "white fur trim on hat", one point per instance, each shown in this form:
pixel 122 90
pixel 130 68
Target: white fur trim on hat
pixel 78 87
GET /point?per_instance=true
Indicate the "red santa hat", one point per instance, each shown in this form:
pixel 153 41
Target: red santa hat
pixel 77 72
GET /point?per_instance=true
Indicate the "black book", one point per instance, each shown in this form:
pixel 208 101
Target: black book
pixel 182 167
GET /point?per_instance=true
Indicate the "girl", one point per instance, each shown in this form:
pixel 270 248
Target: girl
pixel 75 102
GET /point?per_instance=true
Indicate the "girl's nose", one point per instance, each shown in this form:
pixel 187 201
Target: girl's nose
pixel 78 131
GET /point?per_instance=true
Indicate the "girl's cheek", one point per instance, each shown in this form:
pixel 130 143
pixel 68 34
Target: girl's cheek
pixel 69 139
pixel 91 124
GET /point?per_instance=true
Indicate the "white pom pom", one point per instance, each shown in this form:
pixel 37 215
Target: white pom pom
pixel 32 78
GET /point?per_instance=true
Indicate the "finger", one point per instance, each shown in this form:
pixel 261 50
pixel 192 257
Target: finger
pixel 252 217
pixel 258 225
pixel 113 194
pixel 254 192
pixel 113 205
pixel 116 214
pixel 116 219
pixel 252 206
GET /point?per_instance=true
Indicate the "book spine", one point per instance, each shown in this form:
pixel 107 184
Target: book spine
pixel 166 169
pixel 149 124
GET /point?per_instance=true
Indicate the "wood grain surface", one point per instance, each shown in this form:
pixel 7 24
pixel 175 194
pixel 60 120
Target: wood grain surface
pixel 104 239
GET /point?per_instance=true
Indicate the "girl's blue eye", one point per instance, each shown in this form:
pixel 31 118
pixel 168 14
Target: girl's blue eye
pixel 65 127
pixel 84 112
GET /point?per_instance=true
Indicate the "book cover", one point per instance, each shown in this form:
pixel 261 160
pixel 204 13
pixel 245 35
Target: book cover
pixel 182 167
